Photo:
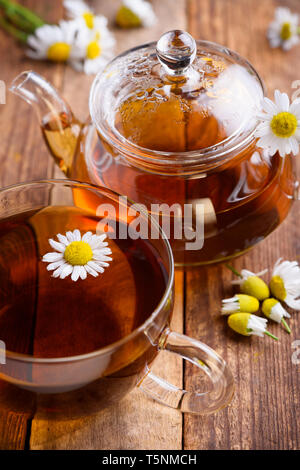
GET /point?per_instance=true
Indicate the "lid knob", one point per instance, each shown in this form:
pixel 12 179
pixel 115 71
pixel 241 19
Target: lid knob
pixel 176 50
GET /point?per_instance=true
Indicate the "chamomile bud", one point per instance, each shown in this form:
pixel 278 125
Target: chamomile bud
pixel 240 303
pixel 247 324
pixel 252 284
pixel 285 283
pixel 273 309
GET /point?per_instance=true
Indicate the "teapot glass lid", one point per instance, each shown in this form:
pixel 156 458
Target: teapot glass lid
pixel 176 96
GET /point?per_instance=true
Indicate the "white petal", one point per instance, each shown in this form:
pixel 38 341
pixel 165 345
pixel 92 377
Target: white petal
pixel 53 256
pixel 103 251
pixel 91 270
pixel 282 100
pixel 95 266
pixel 70 236
pixel 295 108
pixel 63 239
pixel 101 263
pixel 83 273
pixel 58 271
pixel 294 146
pixel 269 106
pixel 55 265
pixel 77 235
pixel 66 271
pixel 75 273
pixel 57 246
pixel 86 237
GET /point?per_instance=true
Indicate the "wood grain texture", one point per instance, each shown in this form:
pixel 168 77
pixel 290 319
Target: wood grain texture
pixel 265 411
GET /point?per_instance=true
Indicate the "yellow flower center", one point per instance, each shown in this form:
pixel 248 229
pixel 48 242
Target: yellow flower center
pixel 277 288
pixel 78 253
pixel 93 50
pixel 59 52
pixel 284 124
pixel 286 31
pixel 89 19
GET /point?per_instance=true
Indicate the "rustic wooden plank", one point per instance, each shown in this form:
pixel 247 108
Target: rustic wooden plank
pixel 23 157
pixel 136 422
pixel 263 414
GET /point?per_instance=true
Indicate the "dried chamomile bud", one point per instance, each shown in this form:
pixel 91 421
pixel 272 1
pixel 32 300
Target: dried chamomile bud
pixel 273 309
pixel 247 324
pixel 240 303
pixel 253 285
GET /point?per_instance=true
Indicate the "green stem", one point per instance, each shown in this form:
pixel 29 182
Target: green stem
pixel 286 326
pixel 271 336
pixel 20 35
pixel 20 16
pixel 233 270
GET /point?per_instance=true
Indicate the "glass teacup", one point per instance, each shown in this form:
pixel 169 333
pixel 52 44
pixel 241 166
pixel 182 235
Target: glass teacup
pixel 98 336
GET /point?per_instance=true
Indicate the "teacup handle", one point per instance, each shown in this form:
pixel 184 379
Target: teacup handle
pixel 208 361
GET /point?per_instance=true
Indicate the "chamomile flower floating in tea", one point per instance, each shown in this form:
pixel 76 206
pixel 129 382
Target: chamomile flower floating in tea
pixel 251 284
pixel 285 283
pixel 283 31
pixel 78 255
pixel 273 309
pixel 135 13
pixel 279 128
pixel 240 303
pixel 247 324
pixel 54 42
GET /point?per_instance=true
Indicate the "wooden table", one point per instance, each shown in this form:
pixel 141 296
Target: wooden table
pixel 265 408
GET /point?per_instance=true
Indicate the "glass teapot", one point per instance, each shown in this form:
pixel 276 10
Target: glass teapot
pixel 172 128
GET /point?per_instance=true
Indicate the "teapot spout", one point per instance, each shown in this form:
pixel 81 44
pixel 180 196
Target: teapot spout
pixel 59 127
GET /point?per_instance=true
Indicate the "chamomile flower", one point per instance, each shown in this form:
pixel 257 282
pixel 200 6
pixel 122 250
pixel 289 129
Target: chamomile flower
pixel 247 324
pixel 273 309
pixel 283 31
pixel 240 303
pixel 279 128
pixel 81 12
pixel 54 42
pixel 251 284
pixel 79 9
pixel 96 50
pixel 285 283
pixel 78 255
pixel 134 13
